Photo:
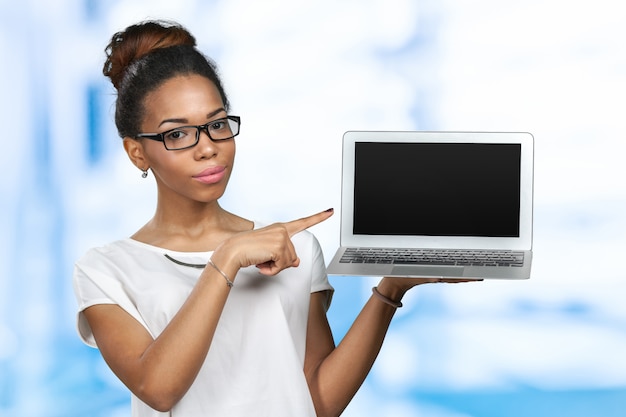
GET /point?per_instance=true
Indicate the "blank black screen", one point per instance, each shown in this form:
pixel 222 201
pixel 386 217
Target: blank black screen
pixel 437 189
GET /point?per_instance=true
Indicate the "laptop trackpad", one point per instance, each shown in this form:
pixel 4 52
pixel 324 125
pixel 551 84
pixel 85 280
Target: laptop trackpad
pixel 427 271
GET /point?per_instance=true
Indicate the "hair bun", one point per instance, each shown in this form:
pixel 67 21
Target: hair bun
pixel 138 40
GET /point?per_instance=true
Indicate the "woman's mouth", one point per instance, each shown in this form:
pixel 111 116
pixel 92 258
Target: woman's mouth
pixel 211 175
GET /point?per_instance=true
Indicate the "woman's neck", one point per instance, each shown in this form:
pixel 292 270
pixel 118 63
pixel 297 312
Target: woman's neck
pixel 193 227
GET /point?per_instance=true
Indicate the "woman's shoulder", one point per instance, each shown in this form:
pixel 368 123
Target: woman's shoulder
pixel 120 245
pixel 106 249
pixel 119 251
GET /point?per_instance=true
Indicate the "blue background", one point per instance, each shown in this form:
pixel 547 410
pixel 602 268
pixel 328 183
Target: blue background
pixel 300 73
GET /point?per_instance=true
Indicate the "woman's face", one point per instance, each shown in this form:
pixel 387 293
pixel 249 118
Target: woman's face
pixel 199 173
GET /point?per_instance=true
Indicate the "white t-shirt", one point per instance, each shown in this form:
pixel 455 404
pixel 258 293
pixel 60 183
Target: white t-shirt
pixel 255 364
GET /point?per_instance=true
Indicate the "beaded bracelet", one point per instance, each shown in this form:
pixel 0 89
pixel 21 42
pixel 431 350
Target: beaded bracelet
pixel 396 304
pixel 228 281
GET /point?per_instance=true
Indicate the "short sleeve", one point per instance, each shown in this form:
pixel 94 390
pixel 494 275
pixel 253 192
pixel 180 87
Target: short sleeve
pixel 319 279
pixel 87 294
pixel 95 282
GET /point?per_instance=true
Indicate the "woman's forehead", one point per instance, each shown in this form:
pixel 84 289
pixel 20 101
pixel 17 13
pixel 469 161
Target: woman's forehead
pixel 183 97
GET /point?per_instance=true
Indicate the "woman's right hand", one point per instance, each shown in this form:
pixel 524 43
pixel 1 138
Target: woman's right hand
pixel 270 248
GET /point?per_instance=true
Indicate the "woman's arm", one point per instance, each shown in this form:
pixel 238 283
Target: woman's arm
pixel 160 371
pixel 334 373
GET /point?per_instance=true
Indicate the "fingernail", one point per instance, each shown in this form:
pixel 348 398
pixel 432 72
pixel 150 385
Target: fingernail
pixel 329 210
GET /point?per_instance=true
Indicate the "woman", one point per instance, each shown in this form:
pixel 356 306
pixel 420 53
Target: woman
pixel 202 312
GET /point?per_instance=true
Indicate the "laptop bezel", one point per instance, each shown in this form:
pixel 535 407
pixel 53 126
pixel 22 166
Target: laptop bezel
pixel 523 242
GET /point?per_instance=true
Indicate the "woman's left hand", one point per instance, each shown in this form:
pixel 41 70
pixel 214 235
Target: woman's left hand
pixel 394 288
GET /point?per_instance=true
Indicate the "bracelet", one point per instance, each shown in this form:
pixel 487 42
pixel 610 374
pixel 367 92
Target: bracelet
pixel 396 304
pixel 228 281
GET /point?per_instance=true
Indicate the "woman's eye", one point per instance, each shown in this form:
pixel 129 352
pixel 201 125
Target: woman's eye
pixel 218 125
pixel 176 135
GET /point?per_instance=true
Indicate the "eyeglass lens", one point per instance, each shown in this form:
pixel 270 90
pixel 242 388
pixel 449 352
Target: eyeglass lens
pixel 188 136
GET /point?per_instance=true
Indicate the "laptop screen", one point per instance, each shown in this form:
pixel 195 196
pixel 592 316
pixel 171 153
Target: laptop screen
pixel 437 189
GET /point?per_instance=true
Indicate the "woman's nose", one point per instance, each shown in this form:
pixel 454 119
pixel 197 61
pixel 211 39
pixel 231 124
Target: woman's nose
pixel 206 147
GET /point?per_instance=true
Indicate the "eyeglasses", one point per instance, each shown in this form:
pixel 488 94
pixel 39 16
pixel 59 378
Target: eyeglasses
pixel 188 136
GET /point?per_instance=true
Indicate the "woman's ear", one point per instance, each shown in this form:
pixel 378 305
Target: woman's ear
pixel 135 152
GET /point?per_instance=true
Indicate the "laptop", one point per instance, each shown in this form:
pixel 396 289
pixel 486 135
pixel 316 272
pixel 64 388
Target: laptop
pixel 436 204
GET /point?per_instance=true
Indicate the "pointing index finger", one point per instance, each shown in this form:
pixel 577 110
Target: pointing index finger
pixel 296 226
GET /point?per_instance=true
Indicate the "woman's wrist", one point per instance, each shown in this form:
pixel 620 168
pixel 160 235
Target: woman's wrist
pixel 388 301
pixel 229 282
pixel 223 262
pixel 390 290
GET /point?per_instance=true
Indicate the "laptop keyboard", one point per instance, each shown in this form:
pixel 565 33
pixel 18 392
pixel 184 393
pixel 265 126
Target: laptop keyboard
pixel 434 257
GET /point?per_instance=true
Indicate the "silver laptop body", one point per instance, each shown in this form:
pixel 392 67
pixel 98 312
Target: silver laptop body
pixel 436 204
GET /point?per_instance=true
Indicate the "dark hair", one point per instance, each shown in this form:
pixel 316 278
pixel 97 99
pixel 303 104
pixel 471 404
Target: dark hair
pixel 144 56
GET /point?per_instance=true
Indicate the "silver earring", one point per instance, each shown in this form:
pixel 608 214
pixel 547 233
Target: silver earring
pixel 144 173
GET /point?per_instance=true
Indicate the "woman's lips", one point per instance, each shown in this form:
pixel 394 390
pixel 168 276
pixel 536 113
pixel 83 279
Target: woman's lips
pixel 211 175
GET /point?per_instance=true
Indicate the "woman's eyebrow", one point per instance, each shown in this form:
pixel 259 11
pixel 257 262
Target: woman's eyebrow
pixel 183 120
pixel 215 112
pixel 173 121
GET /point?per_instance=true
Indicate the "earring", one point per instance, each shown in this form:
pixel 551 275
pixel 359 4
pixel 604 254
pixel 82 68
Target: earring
pixel 144 173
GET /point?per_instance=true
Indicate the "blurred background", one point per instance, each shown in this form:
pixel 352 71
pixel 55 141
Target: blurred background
pixel 301 73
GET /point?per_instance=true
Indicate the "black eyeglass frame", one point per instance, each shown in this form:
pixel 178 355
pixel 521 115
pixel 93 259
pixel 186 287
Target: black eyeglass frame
pixel 160 137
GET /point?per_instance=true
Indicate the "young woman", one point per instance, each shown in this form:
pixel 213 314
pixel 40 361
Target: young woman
pixel 202 312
